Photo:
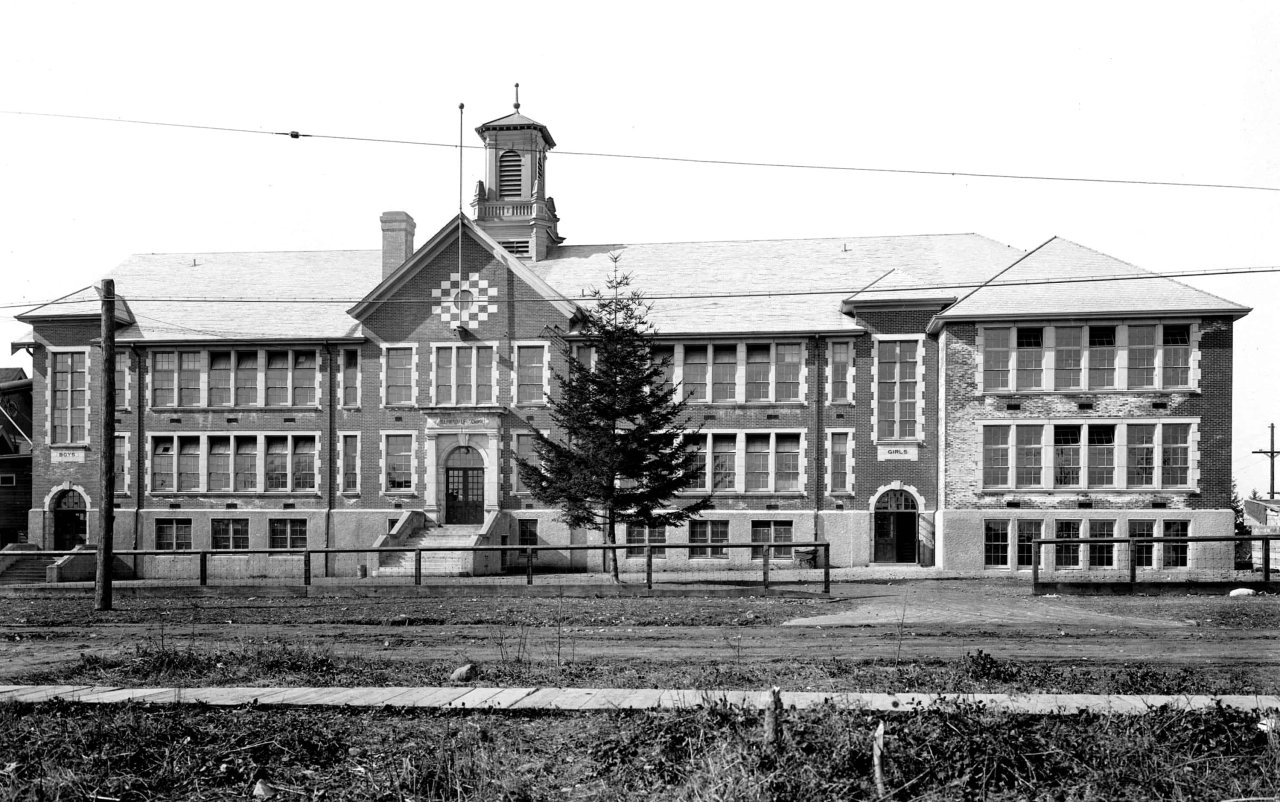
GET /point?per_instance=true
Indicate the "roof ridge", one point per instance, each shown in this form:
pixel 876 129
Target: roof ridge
pixel 793 239
pixel 229 253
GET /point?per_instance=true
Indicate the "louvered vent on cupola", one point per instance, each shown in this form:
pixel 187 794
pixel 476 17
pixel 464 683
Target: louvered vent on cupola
pixel 516 247
pixel 509 174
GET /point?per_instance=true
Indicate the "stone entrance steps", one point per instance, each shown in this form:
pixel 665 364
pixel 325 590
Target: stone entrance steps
pixel 26 571
pixel 434 563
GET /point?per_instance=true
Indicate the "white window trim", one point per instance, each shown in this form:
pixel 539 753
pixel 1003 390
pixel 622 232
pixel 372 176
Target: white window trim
pixel 88 397
pixel 414 484
pixel 340 438
pixel 1048 378
pixel 1121 446
pixel 493 373
pixel 122 358
pixel 413 375
pixel 740 463
pixel 342 377
pixel 1011 561
pixel 851 374
pixel 516 345
pixel 261 462
pixel 849 476
pixel 920 379
pixel 205 361
pixel 515 452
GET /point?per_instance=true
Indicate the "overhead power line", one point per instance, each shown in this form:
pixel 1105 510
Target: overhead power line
pixel 246 299
pixel 678 159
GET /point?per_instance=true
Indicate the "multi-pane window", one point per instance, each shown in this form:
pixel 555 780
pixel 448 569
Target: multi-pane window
pixel 1066 555
pixel 121 465
pixel 708 539
pixel 399 377
pixel 724 373
pixel 757 462
pixel 246 378
pixel 164 366
pixel 189 369
pixel 841 362
pixel 173 534
pixel 246 466
pixel 1175 554
pixel 1102 455
pixel 1148 356
pixel 664 357
pixel 122 380
pixel 276 464
pixel 639 534
pixel 350 463
pixel 758 369
pixel 1095 454
pixel 995 544
pixel 524 450
pixel 1068 357
pixel 70 397
pixel 229 533
pixel 530 369
pixel 399 462
pixel 527 532
pixel 697 446
pixel 304 378
pixel 724 461
pixel 464 374
pixel 219 465
pixel 287 533
pixel 694 380
pixel 896 389
pixel 162 464
pixel 220 375
pixel 1029 456
pixel 350 377
pixel 771 532
pixel 304 463
pixel 1102 357
pixel 1027 532
pixel 277 378
pixel 1102 555
pixel 995 456
pixel 1029 358
pixel 1176 353
pixel 786 467
pixel 1066 455
pixel 1175 462
pixel 786 379
pixel 1142 554
pixel 840 462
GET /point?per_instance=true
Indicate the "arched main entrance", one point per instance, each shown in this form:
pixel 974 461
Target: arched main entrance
pixel 70 523
pixel 464 486
pixel 896 527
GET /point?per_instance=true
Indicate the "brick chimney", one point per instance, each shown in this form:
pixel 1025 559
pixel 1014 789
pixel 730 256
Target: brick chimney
pixel 397 240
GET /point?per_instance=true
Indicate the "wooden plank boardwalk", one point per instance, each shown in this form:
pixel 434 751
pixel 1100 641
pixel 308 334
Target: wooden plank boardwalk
pixel 549 699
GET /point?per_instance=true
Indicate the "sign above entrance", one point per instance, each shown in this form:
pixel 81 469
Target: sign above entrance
pixel 462 421
pixel 909 451
pixel 66 455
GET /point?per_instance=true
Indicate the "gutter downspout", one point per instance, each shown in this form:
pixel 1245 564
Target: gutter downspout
pixel 330 475
pixel 820 442
pixel 136 360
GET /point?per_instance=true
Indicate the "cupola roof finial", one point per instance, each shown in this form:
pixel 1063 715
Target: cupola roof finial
pixel 517 103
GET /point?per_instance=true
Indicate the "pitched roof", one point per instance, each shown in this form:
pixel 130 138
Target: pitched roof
pixel 775 285
pixel 285 295
pixel 12 375
pixel 517 121
pixel 1063 279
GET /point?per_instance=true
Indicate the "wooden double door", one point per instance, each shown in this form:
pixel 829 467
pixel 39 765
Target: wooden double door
pixel 464 487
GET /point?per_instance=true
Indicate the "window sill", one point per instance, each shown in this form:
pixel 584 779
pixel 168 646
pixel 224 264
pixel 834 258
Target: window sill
pixel 194 494
pixel 63 446
pixel 237 409
pixel 1099 391
pixel 1087 491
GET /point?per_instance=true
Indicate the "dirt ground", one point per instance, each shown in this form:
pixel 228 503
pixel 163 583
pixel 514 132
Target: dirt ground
pixel 942 619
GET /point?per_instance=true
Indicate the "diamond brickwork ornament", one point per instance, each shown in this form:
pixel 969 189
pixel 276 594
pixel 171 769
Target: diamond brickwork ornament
pixel 464 302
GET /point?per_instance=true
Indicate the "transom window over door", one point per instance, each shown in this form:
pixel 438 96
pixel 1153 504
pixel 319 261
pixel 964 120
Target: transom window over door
pixel 896 389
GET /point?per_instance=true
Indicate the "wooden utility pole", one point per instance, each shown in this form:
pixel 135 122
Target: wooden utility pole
pixel 1272 453
pixel 107 464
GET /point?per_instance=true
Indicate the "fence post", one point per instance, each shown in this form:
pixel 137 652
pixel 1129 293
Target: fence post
pixel 1133 564
pixel 417 566
pixel 204 568
pixel 767 550
pixel 648 566
pixel 528 566
pixel 826 568
pixel 1035 562
pixel 306 567
pixel 1266 559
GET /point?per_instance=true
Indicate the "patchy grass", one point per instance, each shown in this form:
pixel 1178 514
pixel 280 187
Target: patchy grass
pixel 131 753
pixel 411 611
pixel 277 665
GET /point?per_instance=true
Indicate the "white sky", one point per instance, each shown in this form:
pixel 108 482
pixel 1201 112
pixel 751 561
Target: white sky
pixel 1142 90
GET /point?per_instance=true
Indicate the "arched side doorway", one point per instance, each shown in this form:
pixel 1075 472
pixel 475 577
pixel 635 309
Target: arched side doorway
pixel 464 486
pixel 896 527
pixel 70 522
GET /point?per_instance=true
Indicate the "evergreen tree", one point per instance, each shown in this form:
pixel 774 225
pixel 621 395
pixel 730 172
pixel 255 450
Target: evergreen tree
pixel 618 454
